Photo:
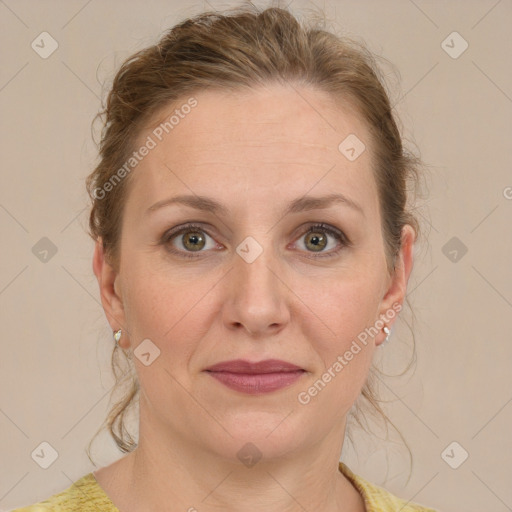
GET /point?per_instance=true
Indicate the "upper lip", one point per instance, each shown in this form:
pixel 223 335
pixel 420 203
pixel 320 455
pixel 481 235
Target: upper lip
pixel 244 366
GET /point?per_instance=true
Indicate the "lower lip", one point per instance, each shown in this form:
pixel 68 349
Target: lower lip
pixel 255 384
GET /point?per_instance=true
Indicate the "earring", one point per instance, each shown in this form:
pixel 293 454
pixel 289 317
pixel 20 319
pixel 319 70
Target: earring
pixel 117 336
pixel 388 332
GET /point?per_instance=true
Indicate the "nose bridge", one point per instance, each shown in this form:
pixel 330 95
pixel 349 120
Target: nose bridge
pixel 254 261
pixel 255 292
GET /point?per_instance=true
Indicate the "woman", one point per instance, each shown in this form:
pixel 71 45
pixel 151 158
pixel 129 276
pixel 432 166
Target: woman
pixel 253 248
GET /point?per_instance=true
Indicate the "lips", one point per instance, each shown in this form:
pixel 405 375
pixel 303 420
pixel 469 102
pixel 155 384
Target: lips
pixel 249 368
pixel 256 378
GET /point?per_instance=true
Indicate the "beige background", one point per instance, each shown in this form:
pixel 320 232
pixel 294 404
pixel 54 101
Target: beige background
pixel 56 342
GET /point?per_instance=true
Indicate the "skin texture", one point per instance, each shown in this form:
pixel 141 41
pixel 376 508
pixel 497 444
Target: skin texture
pixel 253 152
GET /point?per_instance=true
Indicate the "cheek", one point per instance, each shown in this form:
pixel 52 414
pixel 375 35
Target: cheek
pixel 345 307
pixel 169 308
pixel 151 306
pixel 337 324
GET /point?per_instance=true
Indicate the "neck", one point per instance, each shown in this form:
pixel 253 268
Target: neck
pixel 180 475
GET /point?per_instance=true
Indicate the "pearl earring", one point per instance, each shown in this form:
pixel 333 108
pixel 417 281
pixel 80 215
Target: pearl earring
pixel 388 332
pixel 117 336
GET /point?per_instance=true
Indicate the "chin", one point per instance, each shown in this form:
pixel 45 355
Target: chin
pixel 254 434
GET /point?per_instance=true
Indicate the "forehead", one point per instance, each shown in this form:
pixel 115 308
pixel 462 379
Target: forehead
pixel 276 113
pixel 271 138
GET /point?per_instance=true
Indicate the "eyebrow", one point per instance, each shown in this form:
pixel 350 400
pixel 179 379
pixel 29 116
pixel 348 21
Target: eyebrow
pixel 298 205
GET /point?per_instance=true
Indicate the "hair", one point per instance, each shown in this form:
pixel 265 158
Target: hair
pixel 241 49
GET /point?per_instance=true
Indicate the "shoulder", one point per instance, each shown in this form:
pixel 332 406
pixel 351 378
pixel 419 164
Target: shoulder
pixel 378 499
pixel 85 495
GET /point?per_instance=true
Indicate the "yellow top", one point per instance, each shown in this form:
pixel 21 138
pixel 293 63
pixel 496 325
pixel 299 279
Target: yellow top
pixel 86 495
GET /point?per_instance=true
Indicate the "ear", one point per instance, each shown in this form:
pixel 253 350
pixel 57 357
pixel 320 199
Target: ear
pixel 110 292
pixel 397 284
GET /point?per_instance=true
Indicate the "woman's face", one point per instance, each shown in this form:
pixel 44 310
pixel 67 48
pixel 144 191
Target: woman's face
pixel 248 281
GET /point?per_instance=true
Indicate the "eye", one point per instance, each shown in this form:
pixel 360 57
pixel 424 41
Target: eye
pixel 317 236
pixel 193 239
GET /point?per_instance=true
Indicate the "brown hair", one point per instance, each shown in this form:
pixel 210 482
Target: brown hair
pixel 243 48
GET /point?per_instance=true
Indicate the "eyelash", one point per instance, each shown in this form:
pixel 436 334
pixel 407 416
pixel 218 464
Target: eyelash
pixel 339 235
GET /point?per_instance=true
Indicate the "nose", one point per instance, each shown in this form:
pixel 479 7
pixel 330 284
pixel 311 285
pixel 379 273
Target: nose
pixel 257 298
